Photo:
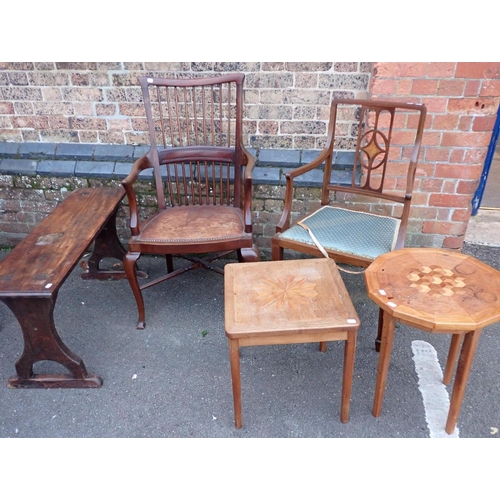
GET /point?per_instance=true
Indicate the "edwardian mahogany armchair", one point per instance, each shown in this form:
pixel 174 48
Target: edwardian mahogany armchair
pixel 202 173
pixel 357 233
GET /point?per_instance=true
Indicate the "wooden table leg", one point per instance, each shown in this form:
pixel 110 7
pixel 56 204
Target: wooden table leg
pixel 464 365
pixel 42 342
pixel 349 351
pixel 378 340
pixel 388 325
pixel 456 342
pixel 234 359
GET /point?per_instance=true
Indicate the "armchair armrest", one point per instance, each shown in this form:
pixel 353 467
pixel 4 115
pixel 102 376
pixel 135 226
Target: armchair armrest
pixel 247 179
pixel 284 221
pixel 128 183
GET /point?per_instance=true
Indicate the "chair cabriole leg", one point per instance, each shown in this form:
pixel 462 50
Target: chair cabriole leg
pixel 129 263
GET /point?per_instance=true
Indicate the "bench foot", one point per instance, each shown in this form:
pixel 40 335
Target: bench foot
pixel 55 382
pixel 42 343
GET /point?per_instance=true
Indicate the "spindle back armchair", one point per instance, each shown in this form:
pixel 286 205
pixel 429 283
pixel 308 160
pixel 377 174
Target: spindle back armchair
pixel 202 173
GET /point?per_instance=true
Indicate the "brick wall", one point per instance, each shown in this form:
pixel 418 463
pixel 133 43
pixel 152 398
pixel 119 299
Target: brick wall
pixel 462 101
pixel 286 104
pixel 286 107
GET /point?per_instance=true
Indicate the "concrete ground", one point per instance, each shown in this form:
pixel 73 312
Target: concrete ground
pixel 172 379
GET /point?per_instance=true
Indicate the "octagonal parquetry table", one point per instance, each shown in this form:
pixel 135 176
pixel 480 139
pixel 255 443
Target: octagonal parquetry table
pixel 438 291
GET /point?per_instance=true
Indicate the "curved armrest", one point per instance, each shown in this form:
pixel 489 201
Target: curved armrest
pixel 128 183
pixel 247 202
pixel 284 222
pixel 250 163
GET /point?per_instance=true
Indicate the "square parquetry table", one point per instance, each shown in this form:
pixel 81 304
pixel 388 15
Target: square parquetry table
pixel 438 291
pixel 288 302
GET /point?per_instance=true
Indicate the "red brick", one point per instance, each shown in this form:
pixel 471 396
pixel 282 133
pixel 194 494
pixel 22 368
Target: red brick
pixel 400 137
pixel 450 187
pixel 465 123
pixel 464 139
pixel 394 153
pixel 462 215
pixel 404 87
pixel 490 88
pixel 441 70
pixel 451 87
pixel 454 242
pixel 457 155
pixel 445 122
pixel 448 228
pixel 482 106
pixel 397 69
pixel 425 169
pixel 478 70
pixel 413 120
pixel 483 123
pixel 427 213
pixel 436 104
pixel 448 200
pixel 381 87
pixel 431 138
pixel 467 187
pixel 396 169
pixel 474 156
pixel 407 153
pixel 444 214
pixel 431 185
pixel 453 171
pixel 472 87
pixel 420 199
pixel 437 154
pixel 424 87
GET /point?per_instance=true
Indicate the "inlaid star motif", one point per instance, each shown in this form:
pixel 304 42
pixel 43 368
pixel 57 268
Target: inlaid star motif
pixel 290 291
pixel 372 150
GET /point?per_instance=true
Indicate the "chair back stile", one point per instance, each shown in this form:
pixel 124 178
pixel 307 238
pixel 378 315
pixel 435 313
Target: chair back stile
pixel 195 130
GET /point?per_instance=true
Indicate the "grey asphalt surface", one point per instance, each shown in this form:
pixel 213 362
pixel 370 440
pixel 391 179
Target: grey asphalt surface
pixel 172 379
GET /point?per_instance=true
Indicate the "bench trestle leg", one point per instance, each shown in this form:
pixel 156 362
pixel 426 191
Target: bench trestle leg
pixel 42 343
pixel 107 244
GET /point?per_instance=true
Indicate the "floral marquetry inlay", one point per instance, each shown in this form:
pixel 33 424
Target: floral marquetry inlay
pixel 289 290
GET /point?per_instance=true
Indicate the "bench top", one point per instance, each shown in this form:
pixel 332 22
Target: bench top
pixel 40 263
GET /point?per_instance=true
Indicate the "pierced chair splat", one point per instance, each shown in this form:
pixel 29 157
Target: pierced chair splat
pixel 203 178
pixel 357 233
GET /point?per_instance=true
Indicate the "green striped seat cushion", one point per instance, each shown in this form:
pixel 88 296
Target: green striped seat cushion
pixel 347 231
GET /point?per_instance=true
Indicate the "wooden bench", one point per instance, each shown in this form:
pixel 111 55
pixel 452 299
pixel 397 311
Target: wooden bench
pixel 32 273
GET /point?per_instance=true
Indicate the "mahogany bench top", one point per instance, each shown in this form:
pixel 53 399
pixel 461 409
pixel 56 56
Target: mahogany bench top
pixel 40 263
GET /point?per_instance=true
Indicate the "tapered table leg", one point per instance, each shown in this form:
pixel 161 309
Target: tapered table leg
pixel 464 365
pixel 349 351
pixel 456 342
pixel 388 325
pixel 234 359
pixel 42 342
